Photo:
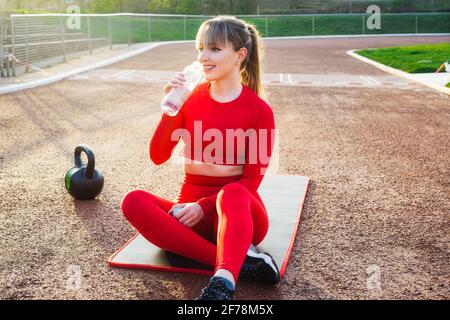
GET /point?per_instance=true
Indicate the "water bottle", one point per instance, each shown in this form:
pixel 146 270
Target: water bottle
pixel 176 97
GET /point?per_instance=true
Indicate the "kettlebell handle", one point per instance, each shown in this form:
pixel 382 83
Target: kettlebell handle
pixel 91 159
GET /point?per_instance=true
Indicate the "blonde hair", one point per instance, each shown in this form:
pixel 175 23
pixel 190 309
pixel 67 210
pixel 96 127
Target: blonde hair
pixel 240 34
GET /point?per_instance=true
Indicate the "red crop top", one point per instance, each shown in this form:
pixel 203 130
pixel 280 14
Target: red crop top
pixel 239 132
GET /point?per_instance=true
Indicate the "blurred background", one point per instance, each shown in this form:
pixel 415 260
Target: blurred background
pixel 212 7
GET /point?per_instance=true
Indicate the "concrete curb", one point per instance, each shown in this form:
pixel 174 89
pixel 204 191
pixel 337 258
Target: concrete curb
pixel 48 80
pixel 397 72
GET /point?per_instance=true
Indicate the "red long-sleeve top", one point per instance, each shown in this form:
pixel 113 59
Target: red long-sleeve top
pixel 239 132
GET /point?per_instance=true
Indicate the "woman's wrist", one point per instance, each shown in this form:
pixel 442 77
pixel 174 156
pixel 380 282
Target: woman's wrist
pixel 201 210
pixel 203 203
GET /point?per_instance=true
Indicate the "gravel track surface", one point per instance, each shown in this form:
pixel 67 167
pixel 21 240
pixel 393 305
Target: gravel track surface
pixel 378 200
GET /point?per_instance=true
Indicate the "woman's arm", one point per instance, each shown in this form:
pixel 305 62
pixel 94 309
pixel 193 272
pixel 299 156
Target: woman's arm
pixel 252 173
pixel 162 142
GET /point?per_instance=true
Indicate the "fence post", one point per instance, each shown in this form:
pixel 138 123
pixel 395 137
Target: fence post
pixel 267 28
pixel 128 29
pixel 1 47
pixel 149 27
pixel 12 36
pixel 184 28
pixel 27 47
pixel 363 31
pixel 89 34
pixel 313 26
pixel 109 33
pixel 63 34
pixel 11 68
pixel 417 23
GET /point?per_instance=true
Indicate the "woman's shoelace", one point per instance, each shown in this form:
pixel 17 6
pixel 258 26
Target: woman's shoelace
pixel 216 289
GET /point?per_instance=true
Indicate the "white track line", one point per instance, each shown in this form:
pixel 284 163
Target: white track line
pixel 374 80
pixel 115 75
pixel 122 75
pixel 78 76
pixel 369 80
pixel 289 78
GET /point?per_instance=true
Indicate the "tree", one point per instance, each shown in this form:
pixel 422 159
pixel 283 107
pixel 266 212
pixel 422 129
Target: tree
pixel 159 6
pixel 189 7
pixel 105 6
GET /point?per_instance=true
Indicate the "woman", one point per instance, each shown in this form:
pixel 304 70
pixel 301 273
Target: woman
pixel 222 216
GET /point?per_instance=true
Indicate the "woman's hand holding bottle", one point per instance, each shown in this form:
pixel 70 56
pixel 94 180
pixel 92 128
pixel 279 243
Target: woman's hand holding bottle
pixel 180 87
pixel 188 214
pixel 176 81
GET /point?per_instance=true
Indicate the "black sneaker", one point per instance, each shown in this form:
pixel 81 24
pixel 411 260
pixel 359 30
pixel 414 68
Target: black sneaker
pixel 260 267
pixel 217 289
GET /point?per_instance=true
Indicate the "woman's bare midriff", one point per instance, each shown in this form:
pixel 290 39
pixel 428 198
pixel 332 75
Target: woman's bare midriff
pixel 215 170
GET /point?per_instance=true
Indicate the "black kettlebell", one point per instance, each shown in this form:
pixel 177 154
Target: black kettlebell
pixel 84 182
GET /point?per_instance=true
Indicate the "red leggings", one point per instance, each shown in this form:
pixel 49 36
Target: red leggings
pixel 240 219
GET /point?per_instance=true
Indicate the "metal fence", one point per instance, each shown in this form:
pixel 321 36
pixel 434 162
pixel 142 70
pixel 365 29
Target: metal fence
pixel 35 40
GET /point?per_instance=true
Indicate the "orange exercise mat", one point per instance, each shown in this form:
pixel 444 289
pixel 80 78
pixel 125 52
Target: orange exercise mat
pixel 283 196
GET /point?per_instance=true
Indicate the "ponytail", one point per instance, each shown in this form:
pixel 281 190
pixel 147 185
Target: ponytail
pixel 251 69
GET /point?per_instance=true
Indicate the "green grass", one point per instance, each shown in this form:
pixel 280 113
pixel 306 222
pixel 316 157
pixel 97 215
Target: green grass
pixel 413 59
pixel 448 85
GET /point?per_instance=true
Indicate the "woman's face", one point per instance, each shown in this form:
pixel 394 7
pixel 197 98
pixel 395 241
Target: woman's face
pixel 219 62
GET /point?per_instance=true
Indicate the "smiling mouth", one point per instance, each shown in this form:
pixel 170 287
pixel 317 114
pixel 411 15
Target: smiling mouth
pixel 208 68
